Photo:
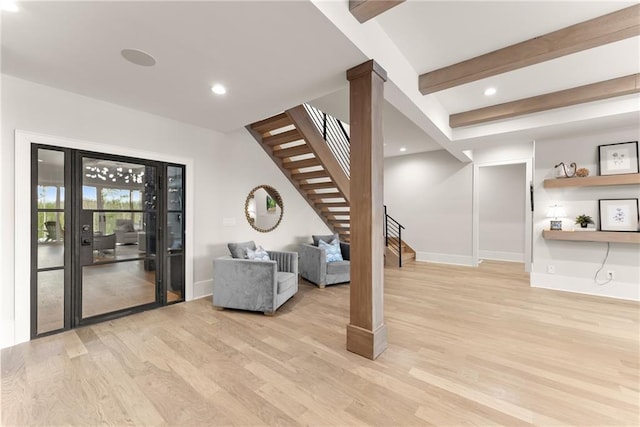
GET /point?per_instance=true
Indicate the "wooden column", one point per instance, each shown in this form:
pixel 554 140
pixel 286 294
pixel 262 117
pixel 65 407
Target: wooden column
pixel 366 332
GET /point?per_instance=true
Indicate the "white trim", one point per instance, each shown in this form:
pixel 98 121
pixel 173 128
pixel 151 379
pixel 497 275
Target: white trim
pixel 528 222
pixel 614 289
pixel 23 141
pixel 445 258
pixel 501 256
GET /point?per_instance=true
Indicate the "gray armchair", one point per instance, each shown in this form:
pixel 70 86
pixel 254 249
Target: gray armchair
pixel 315 268
pixel 255 285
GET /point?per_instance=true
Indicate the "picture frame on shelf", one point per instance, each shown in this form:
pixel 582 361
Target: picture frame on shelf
pixel 618 214
pixel 617 159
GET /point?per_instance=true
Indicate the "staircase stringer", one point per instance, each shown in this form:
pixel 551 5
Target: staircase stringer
pixel 288 173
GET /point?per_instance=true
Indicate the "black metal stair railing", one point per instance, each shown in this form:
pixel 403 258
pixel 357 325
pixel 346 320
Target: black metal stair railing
pixel 334 133
pixel 337 138
pixel 393 235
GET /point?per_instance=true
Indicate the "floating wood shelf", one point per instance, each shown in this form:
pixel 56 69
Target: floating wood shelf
pixel 593 236
pixel 593 181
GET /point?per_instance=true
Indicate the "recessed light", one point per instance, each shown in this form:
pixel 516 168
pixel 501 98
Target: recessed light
pixel 490 91
pixel 138 57
pixel 403 149
pixel 218 89
pixel 9 6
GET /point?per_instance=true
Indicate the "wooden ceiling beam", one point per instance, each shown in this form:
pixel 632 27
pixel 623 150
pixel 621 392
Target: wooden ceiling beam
pixel 619 25
pixel 363 10
pixel 593 92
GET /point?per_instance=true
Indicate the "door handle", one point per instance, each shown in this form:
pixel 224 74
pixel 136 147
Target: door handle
pixel 86 242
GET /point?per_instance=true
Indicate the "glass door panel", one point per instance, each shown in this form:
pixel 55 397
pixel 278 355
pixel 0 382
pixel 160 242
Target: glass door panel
pixel 118 236
pixel 174 272
pixel 111 287
pixel 48 227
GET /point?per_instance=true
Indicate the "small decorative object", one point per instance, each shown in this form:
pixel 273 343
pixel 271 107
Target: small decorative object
pixel 556 212
pixel 565 172
pixel 616 159
pixel 584 220
pixel 582 172
pixel 618 214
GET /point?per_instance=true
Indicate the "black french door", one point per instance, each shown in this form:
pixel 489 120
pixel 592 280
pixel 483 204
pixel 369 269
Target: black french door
pixel 107 237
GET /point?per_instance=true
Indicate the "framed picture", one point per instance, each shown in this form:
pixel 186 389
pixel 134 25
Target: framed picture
pixel 616 159
pixel 618 214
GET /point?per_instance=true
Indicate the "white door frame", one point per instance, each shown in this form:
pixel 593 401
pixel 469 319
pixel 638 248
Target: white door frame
pixel 22 282
pixel 528 222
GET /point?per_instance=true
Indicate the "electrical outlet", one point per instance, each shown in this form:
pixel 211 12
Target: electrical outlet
pixel 611 274
pixel 551 269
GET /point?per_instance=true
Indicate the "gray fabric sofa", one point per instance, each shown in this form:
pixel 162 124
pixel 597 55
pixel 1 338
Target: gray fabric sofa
pixel 315 268
pixel 255 285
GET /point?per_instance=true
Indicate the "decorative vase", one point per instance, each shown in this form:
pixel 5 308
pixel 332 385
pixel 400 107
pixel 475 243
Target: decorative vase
pixel 562 171
pixel 583 225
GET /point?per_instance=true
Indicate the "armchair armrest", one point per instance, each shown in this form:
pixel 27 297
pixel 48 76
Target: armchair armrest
pixel 286 261
pixel 313 263
pixel 244 284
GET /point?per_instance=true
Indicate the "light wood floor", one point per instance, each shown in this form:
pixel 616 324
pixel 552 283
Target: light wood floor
pixel 466 347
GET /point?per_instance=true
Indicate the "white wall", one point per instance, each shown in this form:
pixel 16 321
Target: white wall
pixel 577 262
pixel 502 212
pixel 431 195
pixel 225 167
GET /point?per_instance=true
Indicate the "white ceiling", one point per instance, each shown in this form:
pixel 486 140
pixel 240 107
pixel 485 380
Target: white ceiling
pixel 273 55
pixel 270 55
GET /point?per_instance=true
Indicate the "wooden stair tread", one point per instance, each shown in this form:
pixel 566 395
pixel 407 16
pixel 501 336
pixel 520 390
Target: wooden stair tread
pixel 343 211
pixel 299 164
pixel 332 195
pixel 282 138
pixel 272 123
pixel 317 185
pixel 332 205
pixel 341 226
pixel 298 150
pixel 309 175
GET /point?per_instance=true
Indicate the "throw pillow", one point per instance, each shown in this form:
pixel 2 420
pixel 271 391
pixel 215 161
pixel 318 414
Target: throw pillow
pixel 325 238
pixel 332 250
pixel 239 250
pixel 258 255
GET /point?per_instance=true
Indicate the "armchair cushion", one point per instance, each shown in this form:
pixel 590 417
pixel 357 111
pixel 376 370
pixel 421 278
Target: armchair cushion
pixel 339 267
pixel 327 238
pixel 239 250
pixel 332 250
pixel 285 281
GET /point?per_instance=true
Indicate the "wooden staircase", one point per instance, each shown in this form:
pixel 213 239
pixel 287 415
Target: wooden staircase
pixel 391 256
pixel 294 143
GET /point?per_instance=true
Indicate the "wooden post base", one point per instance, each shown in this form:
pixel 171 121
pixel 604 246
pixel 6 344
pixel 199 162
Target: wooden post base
pixel 369 344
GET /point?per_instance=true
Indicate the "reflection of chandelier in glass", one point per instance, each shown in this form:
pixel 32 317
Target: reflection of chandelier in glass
pixel 120 174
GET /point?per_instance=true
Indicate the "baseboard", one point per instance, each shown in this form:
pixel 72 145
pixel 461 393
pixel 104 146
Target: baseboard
pixel 445 258
pixel 202 289
pixel 614 289
pixel 502 256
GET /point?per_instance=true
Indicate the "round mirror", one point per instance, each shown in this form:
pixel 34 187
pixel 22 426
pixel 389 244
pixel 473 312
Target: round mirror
pixel 264 208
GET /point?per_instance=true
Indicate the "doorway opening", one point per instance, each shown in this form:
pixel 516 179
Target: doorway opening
pixel 502 206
